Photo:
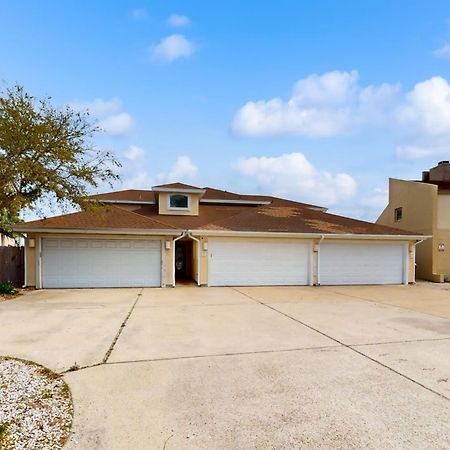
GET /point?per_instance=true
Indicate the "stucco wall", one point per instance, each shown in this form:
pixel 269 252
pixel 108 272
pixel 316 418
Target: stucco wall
pixel 443 211
pixel 418 201
pixel 419 207
pixel 442 258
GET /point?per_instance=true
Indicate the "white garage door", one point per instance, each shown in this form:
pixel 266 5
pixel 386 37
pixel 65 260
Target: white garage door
pixel 353 263
pixel 77 263
pixel 253 262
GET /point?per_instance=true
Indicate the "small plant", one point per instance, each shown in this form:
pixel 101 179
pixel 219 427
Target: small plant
pixel 74 367
pixel 3 435
pixel 46 393
pixel 7 288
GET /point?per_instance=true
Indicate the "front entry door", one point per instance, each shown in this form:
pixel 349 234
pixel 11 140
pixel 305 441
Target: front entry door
pixel 180 261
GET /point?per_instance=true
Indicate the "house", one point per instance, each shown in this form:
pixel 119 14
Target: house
pixel 176 232
pixel 424 207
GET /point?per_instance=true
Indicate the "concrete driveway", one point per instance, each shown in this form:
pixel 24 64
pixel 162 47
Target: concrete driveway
pixel 251 368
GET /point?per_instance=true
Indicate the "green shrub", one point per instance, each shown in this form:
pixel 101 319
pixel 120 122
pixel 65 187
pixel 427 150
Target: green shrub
pixel 3 435
pixel 6 287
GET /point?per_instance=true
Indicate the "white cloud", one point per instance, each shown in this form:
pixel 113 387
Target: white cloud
pixel 424 117
pixel 139 14
pixel 183 169
pixel 133 170
pixel 117 124
pixel 376 200
pixel 292 175
pixel 134 152
pixel 109 114
pixel 419 152
pixel 98 107
pixel 172 47
pixel 442 52
pixel 136 176
pixel 139 180
pixel 176 20
pixel 426 108
pixel 331 88
pixel 321 106
pixel 335 103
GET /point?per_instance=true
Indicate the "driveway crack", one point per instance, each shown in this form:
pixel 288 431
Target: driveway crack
pixel 393 305
pixel 122 326
pixel 349 347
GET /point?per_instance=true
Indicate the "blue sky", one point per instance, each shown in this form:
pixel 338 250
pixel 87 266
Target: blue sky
pixel 320 101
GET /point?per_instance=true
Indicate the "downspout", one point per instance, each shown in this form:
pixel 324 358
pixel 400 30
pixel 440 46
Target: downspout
pixel 318 258
pixel 198 257
pixel 182 235
pixel 25 251
pixel 39 259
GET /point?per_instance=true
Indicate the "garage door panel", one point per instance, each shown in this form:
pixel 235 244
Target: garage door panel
pixel 253 262
pixel 353 263
pixel 81 263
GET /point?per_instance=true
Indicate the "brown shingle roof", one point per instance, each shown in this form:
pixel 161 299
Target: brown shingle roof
pixel 176 186
pixel 136 195
pixel 208 214
pixel 301 220
pixel 217 194
pixel 103 217
pixel 133 195
pixel 279 216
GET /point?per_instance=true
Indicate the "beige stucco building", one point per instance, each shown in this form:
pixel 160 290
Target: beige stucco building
pixel 176 233
pixel 424 207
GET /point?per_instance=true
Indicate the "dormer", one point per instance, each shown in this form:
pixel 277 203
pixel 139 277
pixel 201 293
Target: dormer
pixel 178 199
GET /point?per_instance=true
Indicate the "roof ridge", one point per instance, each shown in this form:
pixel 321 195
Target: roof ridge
pixel 116 192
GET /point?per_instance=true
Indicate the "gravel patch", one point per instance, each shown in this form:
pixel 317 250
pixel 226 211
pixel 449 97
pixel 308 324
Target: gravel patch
pixel 35 407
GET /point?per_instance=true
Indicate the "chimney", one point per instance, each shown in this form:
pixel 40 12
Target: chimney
pixel 425 175
pixel 441 172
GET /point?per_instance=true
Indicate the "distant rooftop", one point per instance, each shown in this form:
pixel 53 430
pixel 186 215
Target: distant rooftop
pixel 439 173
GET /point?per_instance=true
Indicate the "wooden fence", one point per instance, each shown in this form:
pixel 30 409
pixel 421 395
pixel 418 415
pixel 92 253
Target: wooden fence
pixel 12 267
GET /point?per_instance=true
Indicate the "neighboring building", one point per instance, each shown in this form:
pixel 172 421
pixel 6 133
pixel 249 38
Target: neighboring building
pixel 424 207
pixel 6 241
pixel 177 232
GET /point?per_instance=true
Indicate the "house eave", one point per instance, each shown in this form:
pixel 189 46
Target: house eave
pixel 105 231
pixel 122 202
pixel 284 234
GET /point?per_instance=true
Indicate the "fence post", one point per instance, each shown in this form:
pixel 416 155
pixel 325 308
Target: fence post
pixel 12 267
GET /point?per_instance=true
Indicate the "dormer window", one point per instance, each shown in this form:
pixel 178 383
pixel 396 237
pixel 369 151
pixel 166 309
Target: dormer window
pixel 178 201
